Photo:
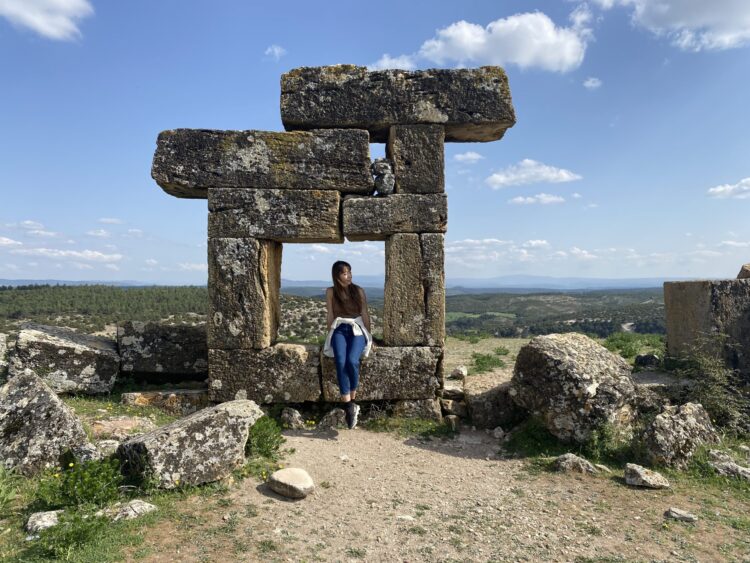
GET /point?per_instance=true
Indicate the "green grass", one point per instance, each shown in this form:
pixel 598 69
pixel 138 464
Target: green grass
pixel 90 407
pixel 482 363
pixel 631 344
pixel 409 427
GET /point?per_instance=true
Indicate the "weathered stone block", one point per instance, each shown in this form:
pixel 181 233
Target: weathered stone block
pixel 179 402
pixel 280 215
pixel 391 373
pixel 418 156
pixel 189 161
pixel 203 447
pixel 414 301
pixel 154 347
pixel 426 409
pixel 244 278
pixel 472 104
pixel 710 316
pixel 67 361
pixel 489 403
pixel 374 218
pixel 284 373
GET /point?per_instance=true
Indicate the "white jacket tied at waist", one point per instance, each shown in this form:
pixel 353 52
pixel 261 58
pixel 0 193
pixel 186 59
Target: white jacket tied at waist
pixel 358 328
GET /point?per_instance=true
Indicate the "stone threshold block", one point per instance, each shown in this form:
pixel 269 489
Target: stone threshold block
pixel 179 402
pixel 189 161
pixel 280 215
pixel 711 316
pixel 418 156
pixel 156 347
pixel 472 104
pixel 391 373
pixel 244 279
pixel 375 218
pixel 65 360
pixel 284 373
pixel 414 301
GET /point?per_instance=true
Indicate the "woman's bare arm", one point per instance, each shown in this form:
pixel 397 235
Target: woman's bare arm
pixel 329 307
pixel 363 313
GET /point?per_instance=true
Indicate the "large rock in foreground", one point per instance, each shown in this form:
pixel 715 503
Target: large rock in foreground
pixel 35 426
pixel 575 385
pixel 472 104
pixel 67 361
pixel 203 447
pixel 152 347
pixel 674 435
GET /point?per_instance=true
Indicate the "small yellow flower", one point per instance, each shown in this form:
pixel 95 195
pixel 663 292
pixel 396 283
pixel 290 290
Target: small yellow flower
pixel 71 464
pixel 176 481
pixel 56 475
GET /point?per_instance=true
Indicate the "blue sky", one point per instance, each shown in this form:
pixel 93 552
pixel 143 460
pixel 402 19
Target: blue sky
pixel 630 157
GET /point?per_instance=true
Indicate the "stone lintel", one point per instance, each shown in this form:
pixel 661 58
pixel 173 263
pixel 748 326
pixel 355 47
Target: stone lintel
pixel 418 156
pixel 375 218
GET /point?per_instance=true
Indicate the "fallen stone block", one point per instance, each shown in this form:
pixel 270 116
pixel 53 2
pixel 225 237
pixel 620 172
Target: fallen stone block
pixel 160 348
pixel 638 476
pixel 426 409
pixel 244 278
pixel 284 373
pixel 332 420
pixel 291 482
pixel 130 510
pixel 121 427
pixel 680 515
pixel 571 463
pixel 391 373
pixel 731 469
pixel 179 402
pixel 292 419
pixel 203 447
pixel 36 427
pixel 675 435
pixel 414 298
pixel 280 215
pixel 42 521
pixel 67 361
pixel 375 218
pixel 189 161
pixel 417 153
pixel 489 403
pixel 453 389
pixel 575 386
pixel 472 104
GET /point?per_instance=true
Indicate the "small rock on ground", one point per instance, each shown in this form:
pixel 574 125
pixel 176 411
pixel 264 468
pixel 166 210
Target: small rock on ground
pixel 291 418
pixel 42 520
pixel 334 419
pixel 681 515
pixel 574 464
pixel 637 476
pixel 291 482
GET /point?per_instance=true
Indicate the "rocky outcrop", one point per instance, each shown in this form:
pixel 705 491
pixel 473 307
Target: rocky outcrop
pixel 375 218
pixel 179 402
pixel 203 447
pixel 417 153
pixel 67 361
pixel 731 469
pixel 638 476
pixel 36 427
pixel 406 372
pixel 472 104
pixel 189 161
pixel 280 215
pixel 426 409
pixel 3 355
pixel 674 436
pixel 575 385
pixel 489 402
pixel 291 482
pixel 244 278
pixel 161 348
pixel 284 373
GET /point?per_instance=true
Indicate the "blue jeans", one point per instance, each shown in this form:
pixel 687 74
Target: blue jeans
pixel 347 350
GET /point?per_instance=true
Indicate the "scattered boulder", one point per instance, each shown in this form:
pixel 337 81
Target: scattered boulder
pixel 647 361
pixel 67 361
pixel 731 469
pixel 428 409
pixel 121 427
pixel 107 448
pixel 489 402
pixel 575 385
pixel 453 389
pixel 291 418
pixel 334 419
pixel 161 348
pixel 637 476
pixel 42 520
pixel 459 372
pixel 291 482
pixel 498 433
pixel 674 435
pixel 382 172
pixel 203 447
pixel 36 427
pixel 129 510
pixel 718 455
pixel 680 515
pixel 179 402
pixel 86 452
pixel 454 407
pixel 571 463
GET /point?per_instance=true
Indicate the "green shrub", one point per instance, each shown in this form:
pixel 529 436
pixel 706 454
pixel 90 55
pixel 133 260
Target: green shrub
pixel 501 351
pixel 8 490
pixel 630 344
pixel 265 438
pixel 482 363
pixel 74 530
pixel 81 483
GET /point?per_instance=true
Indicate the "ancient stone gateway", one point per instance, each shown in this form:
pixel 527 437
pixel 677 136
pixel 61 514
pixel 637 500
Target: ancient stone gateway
pixel 313 184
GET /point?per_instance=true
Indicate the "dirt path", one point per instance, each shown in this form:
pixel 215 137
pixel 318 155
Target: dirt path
pixel 380 497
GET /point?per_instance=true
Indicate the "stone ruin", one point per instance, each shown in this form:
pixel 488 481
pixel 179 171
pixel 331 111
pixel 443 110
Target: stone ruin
pixel 313 183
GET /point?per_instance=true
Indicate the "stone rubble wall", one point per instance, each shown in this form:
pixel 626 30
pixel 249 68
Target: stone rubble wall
pixel 313 183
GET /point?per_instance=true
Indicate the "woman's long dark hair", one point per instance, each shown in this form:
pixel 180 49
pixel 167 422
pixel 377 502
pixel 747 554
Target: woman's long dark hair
pixel 340 293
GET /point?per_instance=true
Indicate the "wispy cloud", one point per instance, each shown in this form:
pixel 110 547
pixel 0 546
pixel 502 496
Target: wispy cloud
pixel 151 262
pixel 99 233
pixel 320 248
pixel 402 62
pixel 735 243
pixel 110 221
pixel 42 233
pixel 740 190
pixel 530 171
pixel 53 19
pixel 5 241
pixel 469 157
pixel 535 244
pixel 193 266
pixel 592 83
pixel 275 52
pixel 31 225
pixel 542 199
pixel 582 254
pixel 57 254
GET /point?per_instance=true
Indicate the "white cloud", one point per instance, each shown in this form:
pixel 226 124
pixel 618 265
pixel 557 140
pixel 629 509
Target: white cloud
pixel 535 244
pixel 469 157
pixel 530 172
pixel 31 225
pixel 82 266
pixel 692 25
pixel 113 267
pixel 110 221
pixel 42 233
pixel 592 83
pixel 151 262
pixel 403 62
pixel 275 52
pixel 543 199
pixel 582 254
pixel 528 40
pixel 320 248
pixel 735 244
pixel 5 241
pixel 99 233
pixel 740 190
pixel 576 195
pixel 57 254
pixel 54 19
pixel 135 233
pixel 193 267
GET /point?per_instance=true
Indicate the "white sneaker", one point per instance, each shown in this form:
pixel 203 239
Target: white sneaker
pixel 355 417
